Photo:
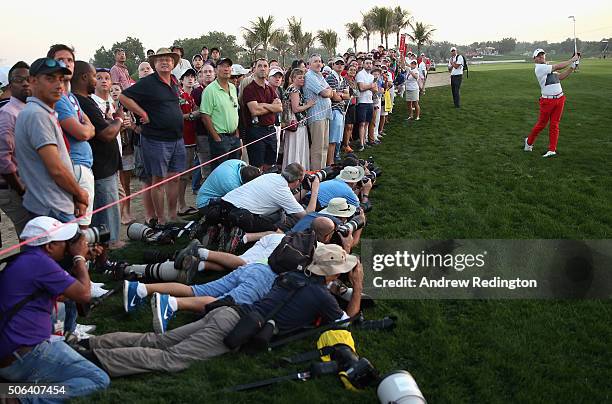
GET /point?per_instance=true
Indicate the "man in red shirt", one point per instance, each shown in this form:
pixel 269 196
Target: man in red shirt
pixel 190 116
pixel 262 106
pixel 119 72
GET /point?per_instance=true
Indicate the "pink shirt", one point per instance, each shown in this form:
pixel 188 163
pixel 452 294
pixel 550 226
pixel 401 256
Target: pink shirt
pixel 8 117
pixel 120 74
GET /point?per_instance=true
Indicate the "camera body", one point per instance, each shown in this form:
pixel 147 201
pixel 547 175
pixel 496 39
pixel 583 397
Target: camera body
pixel 323 174
pixel 355 223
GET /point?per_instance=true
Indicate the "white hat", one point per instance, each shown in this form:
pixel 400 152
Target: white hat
pixel 453 49
pixel 351 174
pixel 48 229
pixel 238 70
pixel 413 61
pixel 327 70
pixel 537 52
pixel 331 259
pixel 339 207
pixel 275 70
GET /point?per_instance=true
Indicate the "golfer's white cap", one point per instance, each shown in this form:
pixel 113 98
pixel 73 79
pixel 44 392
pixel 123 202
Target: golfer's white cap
pixel 453 49
pixel 537 52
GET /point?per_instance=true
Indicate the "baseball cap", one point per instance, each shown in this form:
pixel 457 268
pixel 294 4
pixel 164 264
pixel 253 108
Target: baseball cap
pixel 327 69
pixel 538 51
pixel 48 66
pixel 239 70
pixel 102 70
pixel 453 49
pixel 224 61
pixel 190 72
pixel 338 59
pixel 48 229
pixel 275 70
pixel 413 61
pixel 197 55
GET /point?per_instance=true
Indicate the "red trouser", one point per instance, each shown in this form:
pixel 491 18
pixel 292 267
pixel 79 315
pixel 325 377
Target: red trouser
pixel 550 109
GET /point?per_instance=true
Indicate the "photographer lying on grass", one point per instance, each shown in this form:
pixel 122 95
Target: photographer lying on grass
pixel 124 353
pixel 245 285
pixel 29 287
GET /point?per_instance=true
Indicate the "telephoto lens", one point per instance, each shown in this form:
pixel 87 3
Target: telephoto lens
pixel 97 235
pixel 399 387
pixel 139 232
pixel 354 224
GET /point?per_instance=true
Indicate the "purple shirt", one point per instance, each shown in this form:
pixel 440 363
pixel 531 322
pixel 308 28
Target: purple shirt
pixel 31 271
pixel 8 117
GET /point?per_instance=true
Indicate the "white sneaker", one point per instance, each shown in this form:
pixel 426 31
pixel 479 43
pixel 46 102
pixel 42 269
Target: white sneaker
pixel 100 284
pixel 527 147
pixel 549 154
pixel 97 291
pixel 83 328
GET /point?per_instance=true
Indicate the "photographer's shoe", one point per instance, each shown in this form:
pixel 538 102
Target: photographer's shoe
pixel 162 312
pixel 549 154
pixel 527 146
pixel 131 300
pixel 191 249
pixel 188 270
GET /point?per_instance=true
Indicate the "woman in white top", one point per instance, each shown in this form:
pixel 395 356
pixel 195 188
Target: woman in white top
pixel 412 91
pixel 296 148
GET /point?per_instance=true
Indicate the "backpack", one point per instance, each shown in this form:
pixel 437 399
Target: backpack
pixel 294 253
pixel 465 66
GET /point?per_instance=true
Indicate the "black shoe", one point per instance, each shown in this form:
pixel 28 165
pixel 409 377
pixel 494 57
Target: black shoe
pixel 191 249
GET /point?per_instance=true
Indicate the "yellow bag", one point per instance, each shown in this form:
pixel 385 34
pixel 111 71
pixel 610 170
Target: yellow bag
pixel 388 102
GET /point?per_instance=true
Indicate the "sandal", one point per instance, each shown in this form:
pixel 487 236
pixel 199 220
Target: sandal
pixel 188 212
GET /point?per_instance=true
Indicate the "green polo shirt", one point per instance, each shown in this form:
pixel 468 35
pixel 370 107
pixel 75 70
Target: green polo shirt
pixel 221 107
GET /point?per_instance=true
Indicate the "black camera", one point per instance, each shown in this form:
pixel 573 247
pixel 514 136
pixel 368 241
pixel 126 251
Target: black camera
pixel 323 174
pixel 355 371
pixel 374 170
pixel 353 225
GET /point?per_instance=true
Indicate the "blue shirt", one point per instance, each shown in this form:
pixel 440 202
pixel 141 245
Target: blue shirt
pixel 80 150
pixel 223 179
pixel 313 84
pixel 336 189
pixel 31 271
pixel 306 221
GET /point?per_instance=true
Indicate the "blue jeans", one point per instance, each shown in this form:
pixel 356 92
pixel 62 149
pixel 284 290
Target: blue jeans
pixel 107 191
pixel 56 362
pixel 246 284
pixel 196 178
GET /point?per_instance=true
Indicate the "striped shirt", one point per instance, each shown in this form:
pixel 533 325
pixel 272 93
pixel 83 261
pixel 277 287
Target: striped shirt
pixel 338 84
pixel 314 83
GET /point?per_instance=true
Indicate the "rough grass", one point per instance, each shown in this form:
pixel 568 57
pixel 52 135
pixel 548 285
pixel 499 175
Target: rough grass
pixel 456 174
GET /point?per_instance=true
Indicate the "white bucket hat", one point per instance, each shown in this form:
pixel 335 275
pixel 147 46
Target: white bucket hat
pixel 339 207
pixel 351 174
pixel 331 259
pixel 48 229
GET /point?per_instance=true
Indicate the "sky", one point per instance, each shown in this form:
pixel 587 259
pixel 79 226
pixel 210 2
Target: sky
pixel 28 31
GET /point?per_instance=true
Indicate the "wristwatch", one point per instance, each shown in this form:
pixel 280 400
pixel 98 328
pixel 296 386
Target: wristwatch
pixel 191 116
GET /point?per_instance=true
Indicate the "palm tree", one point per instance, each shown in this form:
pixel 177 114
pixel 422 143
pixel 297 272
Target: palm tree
pixel 307 43
pixel 421 34
pixel 329 40
pixel 368 28
pixel 252 44
pixel 354 31
pixel 262 29
pixel 382 17
pixel 401 19
pixel 296 35
pixel 280 43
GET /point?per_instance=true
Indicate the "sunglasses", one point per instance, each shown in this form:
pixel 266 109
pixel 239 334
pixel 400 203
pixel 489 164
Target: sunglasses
pixel 339 63
pixel 54 63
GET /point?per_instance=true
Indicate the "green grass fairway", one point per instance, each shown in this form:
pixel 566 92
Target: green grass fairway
pixel 456 174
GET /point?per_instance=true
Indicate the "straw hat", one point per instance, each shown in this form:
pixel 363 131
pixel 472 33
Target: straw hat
pixel 164 52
